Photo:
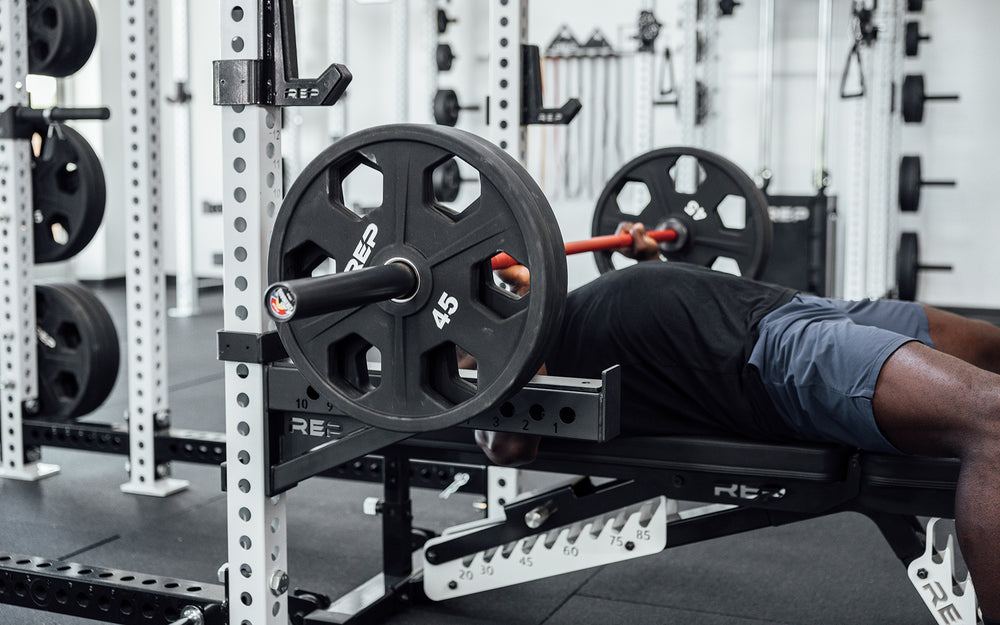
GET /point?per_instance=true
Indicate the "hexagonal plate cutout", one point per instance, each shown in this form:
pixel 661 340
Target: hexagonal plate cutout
pixel 68 179
pixel 348 361
pixel 361 186
pixel 455 187
pixel 66 385
pixel 687 174
pixel 733 212
pixel 633 198
pixel 60 231
pixel 442 372
pixel 324 268
pixel 499 295
pixel 68 335
pixel 308 258
pixel 727 265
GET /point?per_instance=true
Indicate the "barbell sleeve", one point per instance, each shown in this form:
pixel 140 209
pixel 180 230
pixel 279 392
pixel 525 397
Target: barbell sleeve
pixel 607 242
pixel 60 114
pixel 308 297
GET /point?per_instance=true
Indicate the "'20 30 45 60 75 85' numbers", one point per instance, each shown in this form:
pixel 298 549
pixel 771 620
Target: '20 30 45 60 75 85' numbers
pixel 569 551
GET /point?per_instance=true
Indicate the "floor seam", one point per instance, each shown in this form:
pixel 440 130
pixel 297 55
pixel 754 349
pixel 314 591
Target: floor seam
pixel 569 596
pixel 180 386
pixel 95 545
pixel 686 609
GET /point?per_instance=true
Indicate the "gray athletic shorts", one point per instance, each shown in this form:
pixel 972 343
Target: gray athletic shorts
pixel 819 360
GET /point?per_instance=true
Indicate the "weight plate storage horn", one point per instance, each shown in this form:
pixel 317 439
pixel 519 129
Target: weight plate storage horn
pixel 78 351
pixel 61 36
pixel 719 215
pixel 454 304
pixel 68 193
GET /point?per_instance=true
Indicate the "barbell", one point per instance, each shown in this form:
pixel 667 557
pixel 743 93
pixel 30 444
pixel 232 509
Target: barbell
pixel 908 266
pixel 913 38
pixel 444 57
pixel 911 181
pixel 443 20
pixel 413 281
pixel 447 107
pixel 914 96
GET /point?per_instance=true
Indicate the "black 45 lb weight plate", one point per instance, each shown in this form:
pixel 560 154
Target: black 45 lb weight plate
pixel 78 351
pixel 456 305
pixel 68 194
pixel 720 215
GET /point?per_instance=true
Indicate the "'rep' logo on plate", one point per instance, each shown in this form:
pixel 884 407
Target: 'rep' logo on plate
pixel 281 303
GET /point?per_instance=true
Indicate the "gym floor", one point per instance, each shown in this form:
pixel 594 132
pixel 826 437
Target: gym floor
pixel 836 570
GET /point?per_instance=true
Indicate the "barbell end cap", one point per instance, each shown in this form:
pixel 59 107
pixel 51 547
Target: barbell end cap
pixel 280 303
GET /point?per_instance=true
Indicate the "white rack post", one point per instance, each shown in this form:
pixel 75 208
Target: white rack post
pixel 765 91
pixel 884 153
pixel 508 30
pixel 422 93
pixel 824 43
pixel 687 96
pixel 186 286
pixel 337 50
pixel 251 148
pixel 19 356
pixel 145 281
pixel 642 102
pixel 710 127
pixel 401 53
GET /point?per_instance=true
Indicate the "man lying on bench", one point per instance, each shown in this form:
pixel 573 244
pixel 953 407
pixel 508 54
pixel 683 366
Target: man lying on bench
pixel 703 352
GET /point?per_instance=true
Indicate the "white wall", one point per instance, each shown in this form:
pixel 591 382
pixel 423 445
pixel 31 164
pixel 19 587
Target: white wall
pixel 954 141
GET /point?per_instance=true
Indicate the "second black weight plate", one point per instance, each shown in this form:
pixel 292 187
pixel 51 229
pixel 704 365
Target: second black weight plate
pixel 724 214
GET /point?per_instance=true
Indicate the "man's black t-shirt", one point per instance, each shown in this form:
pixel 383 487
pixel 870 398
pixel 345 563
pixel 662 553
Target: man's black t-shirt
pixel 682 335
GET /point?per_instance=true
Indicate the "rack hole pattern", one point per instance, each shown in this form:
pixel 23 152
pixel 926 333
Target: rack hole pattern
pixel 17 324
pixel 252 192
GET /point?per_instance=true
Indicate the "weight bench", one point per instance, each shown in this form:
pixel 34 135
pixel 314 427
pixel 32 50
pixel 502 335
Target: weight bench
pixel 745 485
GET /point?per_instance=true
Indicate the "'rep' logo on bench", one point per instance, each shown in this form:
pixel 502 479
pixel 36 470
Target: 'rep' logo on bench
pixel 747 492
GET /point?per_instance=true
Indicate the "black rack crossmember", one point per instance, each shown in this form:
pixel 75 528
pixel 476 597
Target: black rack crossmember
pixel 106 595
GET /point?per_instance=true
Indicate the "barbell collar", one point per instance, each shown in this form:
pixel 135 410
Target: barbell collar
pixel 308 297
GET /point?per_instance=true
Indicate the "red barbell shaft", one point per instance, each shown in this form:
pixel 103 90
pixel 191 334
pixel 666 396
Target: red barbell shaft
pixel 607 242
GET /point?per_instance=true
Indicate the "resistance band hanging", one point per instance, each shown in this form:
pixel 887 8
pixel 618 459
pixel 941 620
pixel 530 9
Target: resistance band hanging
pixel 865 34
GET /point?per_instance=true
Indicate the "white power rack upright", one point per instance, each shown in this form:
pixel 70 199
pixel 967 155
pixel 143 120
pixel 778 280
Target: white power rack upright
pixel 145 278
pixel 251 149
pixel 19 356
pixel 508 30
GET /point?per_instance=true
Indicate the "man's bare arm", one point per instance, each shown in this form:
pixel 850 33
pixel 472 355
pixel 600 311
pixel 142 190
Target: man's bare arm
pixel 508 449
